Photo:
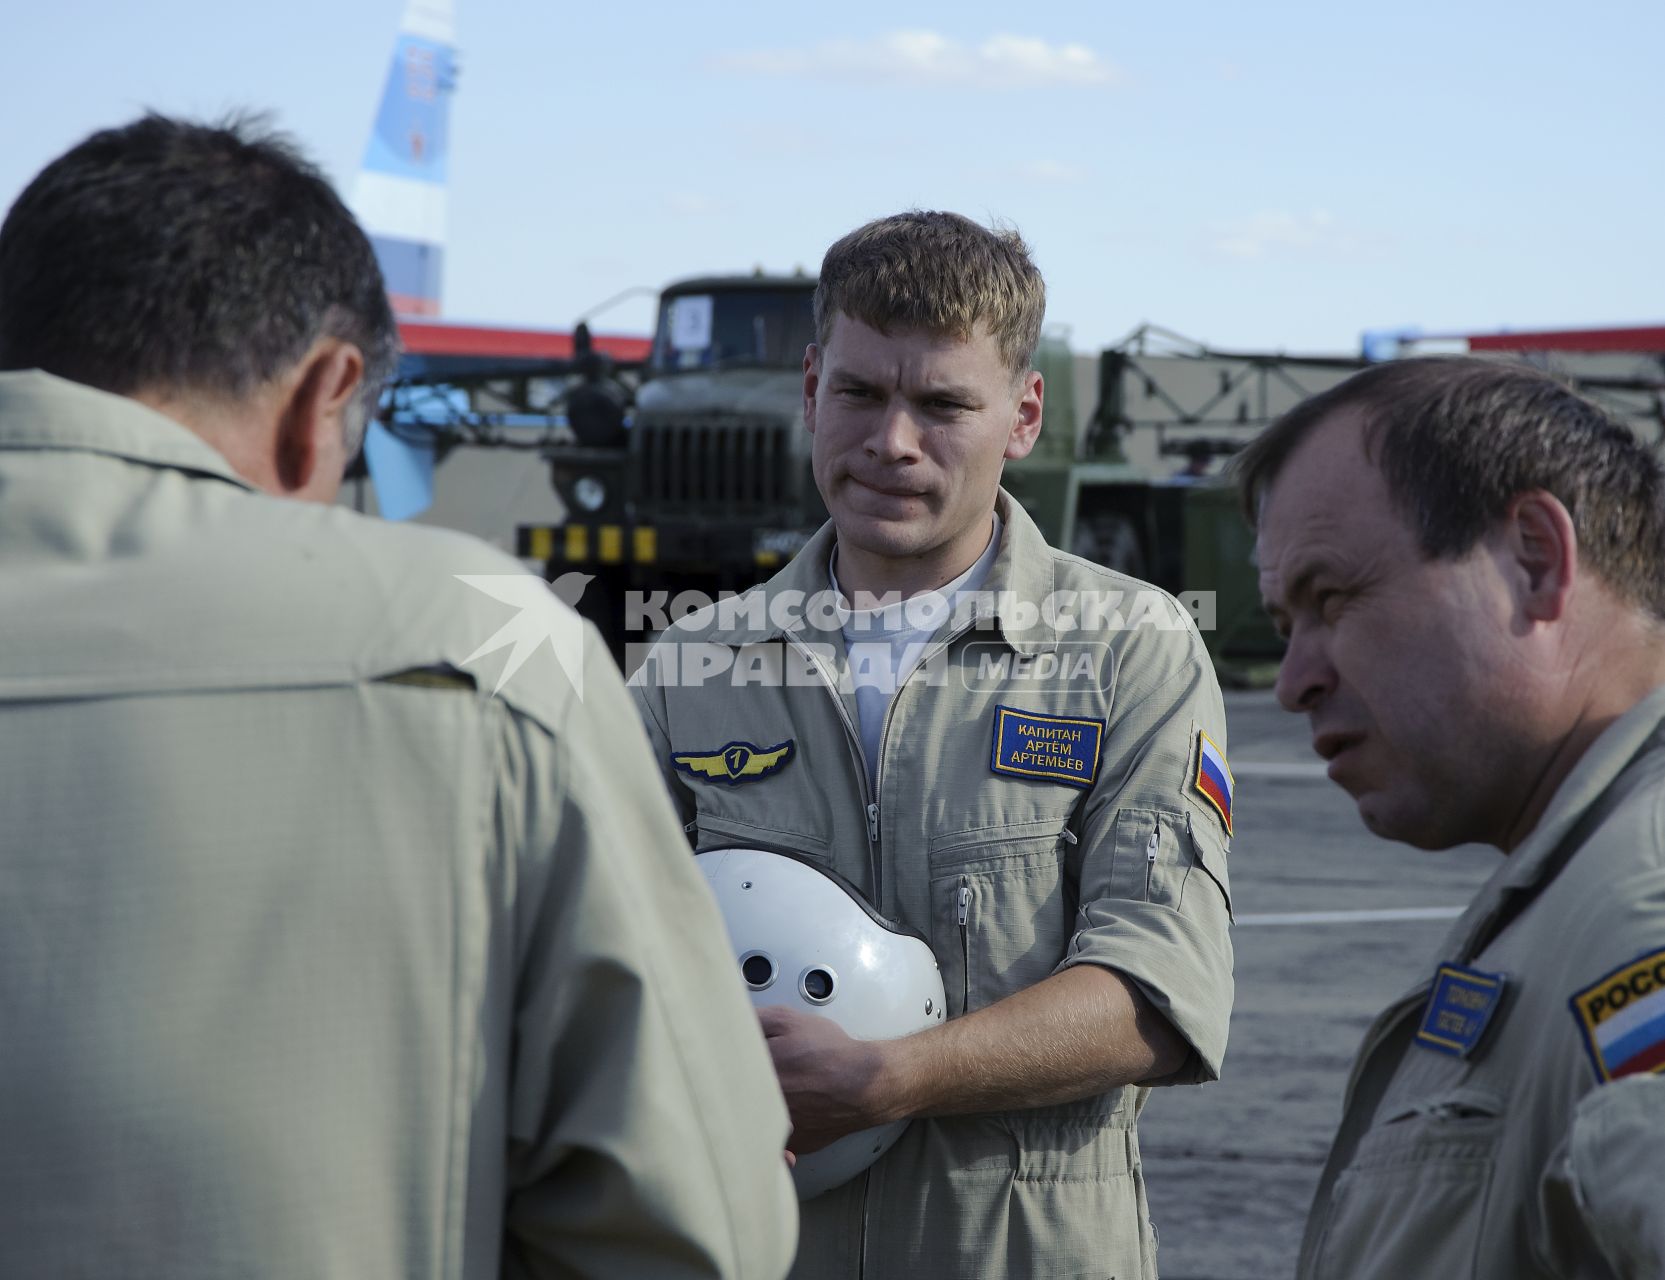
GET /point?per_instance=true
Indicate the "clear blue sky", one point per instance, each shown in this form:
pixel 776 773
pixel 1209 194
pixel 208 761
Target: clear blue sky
pixel 1275 175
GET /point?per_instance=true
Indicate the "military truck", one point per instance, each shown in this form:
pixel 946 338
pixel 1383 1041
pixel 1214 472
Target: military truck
pixel 1140 486
pixel 713 489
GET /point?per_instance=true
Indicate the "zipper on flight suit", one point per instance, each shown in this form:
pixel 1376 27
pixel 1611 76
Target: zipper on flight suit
pixel 964 914
pixel 853 738
pixel 871 804
pixel 1150 858
pixel 931 651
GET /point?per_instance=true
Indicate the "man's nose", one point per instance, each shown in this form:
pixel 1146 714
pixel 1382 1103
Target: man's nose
pixel 895 434
pixel 1306 676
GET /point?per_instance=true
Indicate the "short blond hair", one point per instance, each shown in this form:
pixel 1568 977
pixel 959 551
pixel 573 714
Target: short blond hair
pixel 939 272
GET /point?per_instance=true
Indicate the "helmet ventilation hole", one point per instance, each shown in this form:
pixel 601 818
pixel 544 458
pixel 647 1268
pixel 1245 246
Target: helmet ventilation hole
pixel 758 970
pixel 818 984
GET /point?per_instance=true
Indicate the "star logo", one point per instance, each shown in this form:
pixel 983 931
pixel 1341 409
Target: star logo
pixel 545 613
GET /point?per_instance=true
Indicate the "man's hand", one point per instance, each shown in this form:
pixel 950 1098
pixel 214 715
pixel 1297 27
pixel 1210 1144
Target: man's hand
pixel 1073 1035
pixel 830 1080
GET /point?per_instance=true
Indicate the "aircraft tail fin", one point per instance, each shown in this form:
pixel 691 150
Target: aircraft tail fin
pixel 399 194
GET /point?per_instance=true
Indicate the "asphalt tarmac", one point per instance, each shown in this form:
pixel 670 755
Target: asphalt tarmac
pixel 1331 925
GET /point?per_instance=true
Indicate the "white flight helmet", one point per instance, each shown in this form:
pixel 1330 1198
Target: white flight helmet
pixel 805 937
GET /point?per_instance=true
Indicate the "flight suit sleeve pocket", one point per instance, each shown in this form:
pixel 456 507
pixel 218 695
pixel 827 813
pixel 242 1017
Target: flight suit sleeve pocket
pixel 1154 854
pixel 1209 852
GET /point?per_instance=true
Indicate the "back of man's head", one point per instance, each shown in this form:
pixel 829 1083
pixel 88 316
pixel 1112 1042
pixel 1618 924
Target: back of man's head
pixel 1458 439
pixel 937 272
pixel 187 259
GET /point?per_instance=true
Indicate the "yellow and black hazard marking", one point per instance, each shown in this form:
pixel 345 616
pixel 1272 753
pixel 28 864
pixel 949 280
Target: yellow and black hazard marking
pixel 616 544
pixel 589 544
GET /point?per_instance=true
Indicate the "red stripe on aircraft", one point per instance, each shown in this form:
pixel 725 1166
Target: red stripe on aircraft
pixel 426 339
pixel 408 304
pixel 1644 338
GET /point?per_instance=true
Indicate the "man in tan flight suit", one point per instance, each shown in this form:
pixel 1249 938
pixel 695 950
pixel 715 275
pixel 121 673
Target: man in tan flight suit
pixel 317 958
pixel 1009 750
pixel 1468 561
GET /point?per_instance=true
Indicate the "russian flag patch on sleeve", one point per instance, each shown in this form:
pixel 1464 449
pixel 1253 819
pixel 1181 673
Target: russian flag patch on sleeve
pixel 1622 1018
pixel 1213 781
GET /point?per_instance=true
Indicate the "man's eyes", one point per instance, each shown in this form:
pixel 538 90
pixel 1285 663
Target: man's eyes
pixel 1325 604
pixel 939 405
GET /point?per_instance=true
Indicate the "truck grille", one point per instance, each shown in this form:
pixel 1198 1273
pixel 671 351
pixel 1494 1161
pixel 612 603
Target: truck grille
pixel 740 463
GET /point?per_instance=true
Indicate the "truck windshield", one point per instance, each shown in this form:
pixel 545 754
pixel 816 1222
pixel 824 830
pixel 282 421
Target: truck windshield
pixel 758 327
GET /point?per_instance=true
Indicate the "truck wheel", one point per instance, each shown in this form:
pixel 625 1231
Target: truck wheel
pixel 1111 541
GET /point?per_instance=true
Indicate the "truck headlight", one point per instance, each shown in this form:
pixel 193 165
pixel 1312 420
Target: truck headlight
pixel 589 493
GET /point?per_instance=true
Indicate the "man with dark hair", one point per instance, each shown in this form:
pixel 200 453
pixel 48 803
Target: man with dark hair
pixel 1468 562
pixel 315 959
pixel 1059 840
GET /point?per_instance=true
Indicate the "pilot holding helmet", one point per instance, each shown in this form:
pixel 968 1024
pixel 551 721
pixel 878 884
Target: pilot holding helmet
pixel 1060 843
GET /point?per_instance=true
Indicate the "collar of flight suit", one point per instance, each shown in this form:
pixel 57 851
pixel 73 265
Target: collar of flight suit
pixel 41 411
pixel 1022 573
pixel 1536 860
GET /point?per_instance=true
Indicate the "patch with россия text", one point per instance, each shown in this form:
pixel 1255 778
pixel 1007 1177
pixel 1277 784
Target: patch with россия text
pixel 1622 1019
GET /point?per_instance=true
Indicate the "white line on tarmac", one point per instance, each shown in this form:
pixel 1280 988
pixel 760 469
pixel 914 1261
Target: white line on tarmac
pixel 1279 769
pixel 1380 915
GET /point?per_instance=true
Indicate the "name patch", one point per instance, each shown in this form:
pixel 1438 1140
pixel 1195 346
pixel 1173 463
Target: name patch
pixel 1056 748
pixel 1622 1019
pixel 1459 1009
pixel 736 762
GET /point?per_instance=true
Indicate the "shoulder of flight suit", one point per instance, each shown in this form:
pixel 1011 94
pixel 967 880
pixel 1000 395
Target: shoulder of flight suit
pixel 1615 1166
pixel 395 597
pixel 1599 1190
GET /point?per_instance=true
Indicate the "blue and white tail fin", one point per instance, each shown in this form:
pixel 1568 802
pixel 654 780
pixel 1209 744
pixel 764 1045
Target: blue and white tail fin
pixel 399 196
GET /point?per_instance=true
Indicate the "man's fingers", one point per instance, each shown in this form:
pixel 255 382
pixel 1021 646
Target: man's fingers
pixel 775 1018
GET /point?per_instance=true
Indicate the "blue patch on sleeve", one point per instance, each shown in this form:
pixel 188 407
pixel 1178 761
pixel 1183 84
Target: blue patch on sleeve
pixel 1460 1008
pixel 1053 748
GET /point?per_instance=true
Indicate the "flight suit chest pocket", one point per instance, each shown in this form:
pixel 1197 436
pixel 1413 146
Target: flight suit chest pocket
pixel 1001 907
pixel 1159 856
pixel 1412 1200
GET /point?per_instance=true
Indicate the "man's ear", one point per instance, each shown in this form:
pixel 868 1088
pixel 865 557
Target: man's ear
pixel 311 425
pixel 1544 547
pixel 1026 420
pixel 812 380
